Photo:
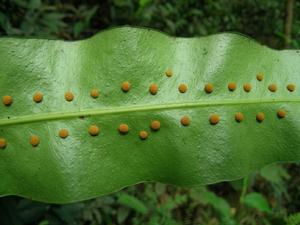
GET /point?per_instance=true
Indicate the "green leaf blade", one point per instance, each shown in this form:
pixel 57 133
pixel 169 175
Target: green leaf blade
pixel 81 166
pixel 257 201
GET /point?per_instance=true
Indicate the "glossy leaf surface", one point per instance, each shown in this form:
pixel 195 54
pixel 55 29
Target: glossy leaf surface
pixel 82 166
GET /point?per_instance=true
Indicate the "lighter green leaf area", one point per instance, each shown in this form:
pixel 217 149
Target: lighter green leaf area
pixel 274 173
pixel 293 219
pixel 132 202
pixel 81 166
pixel 257 201
pixel 218 203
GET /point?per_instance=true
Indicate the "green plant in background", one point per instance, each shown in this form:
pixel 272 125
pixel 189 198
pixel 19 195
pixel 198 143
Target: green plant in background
pixel 264 21
pixel 47 20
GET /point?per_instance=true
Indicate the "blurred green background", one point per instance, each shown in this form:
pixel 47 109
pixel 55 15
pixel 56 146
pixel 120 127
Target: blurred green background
pixel 270 196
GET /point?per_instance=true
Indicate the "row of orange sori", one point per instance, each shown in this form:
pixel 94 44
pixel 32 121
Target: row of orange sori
pixel 153 89
pixel 155 126
pixel 94 130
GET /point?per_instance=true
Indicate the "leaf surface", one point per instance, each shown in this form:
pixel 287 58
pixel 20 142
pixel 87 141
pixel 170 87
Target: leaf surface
pixel 82 166
pixel 257 201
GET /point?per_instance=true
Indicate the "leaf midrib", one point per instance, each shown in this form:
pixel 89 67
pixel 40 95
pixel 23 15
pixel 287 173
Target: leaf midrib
pixel 137 108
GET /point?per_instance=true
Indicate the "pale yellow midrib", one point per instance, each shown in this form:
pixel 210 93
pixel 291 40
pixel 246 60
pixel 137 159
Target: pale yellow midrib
pixel 136 108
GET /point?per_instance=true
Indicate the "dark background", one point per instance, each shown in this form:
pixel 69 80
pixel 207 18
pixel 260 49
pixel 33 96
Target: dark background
pixel 270 196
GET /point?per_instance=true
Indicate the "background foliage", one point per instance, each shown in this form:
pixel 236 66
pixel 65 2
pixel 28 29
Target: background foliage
pixel 269 196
